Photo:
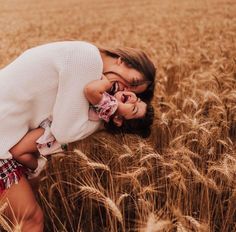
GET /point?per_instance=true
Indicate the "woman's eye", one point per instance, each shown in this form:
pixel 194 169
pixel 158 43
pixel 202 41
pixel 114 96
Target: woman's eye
pixel 129 65
pixel 135 82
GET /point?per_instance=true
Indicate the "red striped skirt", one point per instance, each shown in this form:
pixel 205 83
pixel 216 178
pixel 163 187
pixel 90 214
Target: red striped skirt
pixel 10 173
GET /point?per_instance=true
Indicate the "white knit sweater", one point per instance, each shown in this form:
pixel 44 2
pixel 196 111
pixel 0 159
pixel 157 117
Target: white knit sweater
pixel 44 81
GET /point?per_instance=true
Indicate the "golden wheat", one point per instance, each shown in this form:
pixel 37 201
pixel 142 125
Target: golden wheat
pixel 182 178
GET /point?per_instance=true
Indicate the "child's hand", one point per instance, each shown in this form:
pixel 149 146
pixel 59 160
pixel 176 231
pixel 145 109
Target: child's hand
pixel 106 80
pixel 94 90
pixel 104 77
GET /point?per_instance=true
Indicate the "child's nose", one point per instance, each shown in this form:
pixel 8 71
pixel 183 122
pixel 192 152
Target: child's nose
pixel 133 98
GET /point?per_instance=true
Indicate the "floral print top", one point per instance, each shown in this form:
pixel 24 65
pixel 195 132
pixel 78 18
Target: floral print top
pixel 104 109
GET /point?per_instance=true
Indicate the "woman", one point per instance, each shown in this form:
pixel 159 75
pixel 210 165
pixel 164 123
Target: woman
pixel 49 80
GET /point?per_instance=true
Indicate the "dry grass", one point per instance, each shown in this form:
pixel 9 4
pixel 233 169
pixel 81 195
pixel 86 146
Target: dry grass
pixel 183 177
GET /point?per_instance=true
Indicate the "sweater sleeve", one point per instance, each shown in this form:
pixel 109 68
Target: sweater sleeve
pixel 70 113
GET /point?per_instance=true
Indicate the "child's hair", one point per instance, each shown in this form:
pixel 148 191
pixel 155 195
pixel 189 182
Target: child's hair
pixel 139 126
pixel 138 60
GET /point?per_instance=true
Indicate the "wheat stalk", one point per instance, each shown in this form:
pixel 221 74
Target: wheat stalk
pixel 95 194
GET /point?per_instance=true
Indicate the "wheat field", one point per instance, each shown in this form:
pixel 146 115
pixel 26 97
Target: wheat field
pixel 180 179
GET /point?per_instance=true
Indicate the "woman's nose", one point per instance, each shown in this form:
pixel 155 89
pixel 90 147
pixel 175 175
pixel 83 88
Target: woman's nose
pixel 127 88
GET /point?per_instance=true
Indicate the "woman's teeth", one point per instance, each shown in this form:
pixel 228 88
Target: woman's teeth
pixel 114 88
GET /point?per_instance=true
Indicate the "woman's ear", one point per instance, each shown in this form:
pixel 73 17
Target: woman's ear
pixel 119 61
pixel 118 120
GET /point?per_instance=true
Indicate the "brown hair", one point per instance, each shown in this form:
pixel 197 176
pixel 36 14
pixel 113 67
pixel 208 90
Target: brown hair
pixel 139 126
pixel 138 60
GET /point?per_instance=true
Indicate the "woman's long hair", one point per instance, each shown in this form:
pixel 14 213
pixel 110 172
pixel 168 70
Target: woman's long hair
pixel 138 60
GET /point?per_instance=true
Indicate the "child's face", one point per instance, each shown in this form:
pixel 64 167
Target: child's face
pixel 129 105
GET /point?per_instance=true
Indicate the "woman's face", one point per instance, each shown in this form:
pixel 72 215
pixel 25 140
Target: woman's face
pixel 126 78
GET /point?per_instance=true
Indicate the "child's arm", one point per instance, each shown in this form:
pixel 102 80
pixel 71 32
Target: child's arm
pixel 28 143
pixel 94 90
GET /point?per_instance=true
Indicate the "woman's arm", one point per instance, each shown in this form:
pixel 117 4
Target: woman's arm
pixel 82 64
pixel 95 89
pixel 27 144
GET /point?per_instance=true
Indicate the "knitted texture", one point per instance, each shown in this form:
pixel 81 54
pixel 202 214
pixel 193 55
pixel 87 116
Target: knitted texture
pixel 45 81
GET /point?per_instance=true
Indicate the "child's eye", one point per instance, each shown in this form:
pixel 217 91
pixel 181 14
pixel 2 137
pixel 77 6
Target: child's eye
pixel 135 109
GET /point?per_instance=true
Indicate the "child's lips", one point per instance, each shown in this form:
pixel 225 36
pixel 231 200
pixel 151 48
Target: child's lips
pixel 124 98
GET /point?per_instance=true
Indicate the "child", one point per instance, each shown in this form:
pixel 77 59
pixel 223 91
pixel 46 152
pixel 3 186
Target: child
pixel 122 106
